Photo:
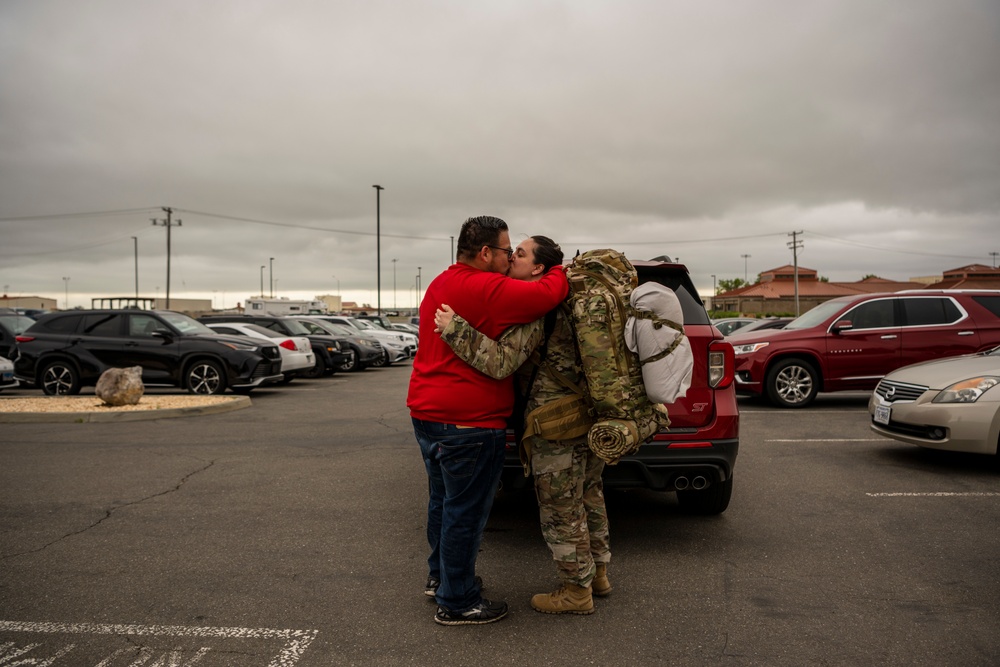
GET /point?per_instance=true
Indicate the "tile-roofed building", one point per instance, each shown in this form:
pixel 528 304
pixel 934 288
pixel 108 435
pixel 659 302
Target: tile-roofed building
pixel 973 276
pixel 775 293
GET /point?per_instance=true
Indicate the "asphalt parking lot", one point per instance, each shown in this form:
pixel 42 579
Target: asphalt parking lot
pixel 292 533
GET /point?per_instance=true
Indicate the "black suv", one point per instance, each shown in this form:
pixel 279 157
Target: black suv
pixel 329 355
pixel 695 457
pixel 11 324
pixel 63 352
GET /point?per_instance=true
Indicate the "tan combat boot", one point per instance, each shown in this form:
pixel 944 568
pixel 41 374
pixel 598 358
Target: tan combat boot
pixel 601 586
pixel 570 599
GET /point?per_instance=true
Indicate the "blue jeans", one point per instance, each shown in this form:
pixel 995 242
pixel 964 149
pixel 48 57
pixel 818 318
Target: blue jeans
pixel 463 470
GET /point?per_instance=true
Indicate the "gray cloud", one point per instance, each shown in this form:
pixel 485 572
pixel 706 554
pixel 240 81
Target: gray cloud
pixel 638 125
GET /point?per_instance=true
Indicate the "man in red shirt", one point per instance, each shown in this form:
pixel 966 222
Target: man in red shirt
pixel 460 415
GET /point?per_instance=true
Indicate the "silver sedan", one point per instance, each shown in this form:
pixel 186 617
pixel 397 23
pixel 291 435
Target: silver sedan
pixel 951 404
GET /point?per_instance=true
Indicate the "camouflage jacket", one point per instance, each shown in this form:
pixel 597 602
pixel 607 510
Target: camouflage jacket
pixel 517 345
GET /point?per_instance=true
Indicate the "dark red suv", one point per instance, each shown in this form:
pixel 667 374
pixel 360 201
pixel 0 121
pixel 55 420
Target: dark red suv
pixel 696 456
pixel 849 343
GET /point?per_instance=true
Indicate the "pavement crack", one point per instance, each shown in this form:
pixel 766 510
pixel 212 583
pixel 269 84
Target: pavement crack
pixel 109 513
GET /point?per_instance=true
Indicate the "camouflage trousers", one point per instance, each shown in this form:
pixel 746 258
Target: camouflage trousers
pixel 571 508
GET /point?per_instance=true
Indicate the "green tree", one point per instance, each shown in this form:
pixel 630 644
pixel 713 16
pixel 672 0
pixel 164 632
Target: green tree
pixel 726 285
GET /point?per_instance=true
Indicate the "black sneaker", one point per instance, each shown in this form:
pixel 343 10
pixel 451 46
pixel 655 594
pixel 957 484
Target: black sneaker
pixel 430 589
pixel 484 612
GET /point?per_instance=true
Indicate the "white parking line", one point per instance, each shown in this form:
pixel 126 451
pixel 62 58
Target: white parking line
pixel 828 440
pixel 937 494
pixel 295 641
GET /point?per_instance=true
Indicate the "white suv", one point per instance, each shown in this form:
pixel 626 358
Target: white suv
pixel 399 345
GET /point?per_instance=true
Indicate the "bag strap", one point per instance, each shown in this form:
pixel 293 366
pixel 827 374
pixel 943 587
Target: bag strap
pixel 538 356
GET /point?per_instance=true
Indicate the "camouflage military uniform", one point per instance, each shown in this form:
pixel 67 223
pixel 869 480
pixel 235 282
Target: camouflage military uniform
pixel 568 482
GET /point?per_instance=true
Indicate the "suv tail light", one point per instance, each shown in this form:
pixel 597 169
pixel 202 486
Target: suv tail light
pixel 24 339
pixel 721 364
pixel 288 344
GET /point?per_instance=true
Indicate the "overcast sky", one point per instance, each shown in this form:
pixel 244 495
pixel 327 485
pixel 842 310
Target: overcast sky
pixel 700 130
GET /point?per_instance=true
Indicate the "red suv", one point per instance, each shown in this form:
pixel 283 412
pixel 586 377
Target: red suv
pixel 696 456
pixel 849 343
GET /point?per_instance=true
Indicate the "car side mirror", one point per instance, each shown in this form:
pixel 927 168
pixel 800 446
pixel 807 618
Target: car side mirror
pixel 162 333
pixel 843 325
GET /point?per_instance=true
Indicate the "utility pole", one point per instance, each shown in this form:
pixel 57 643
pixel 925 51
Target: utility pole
pixel 135 242
pixel 452 249
pixel 394 284
pixel 270 275
pixel 378 245
pixel 994 256
pixel 262 267
pixel 168 224
pixel 795 245
pixel 745 268
pixel 418 287
pixel 66 283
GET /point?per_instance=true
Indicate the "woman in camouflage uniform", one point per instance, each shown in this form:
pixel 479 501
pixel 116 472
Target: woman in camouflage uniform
pixel 567 474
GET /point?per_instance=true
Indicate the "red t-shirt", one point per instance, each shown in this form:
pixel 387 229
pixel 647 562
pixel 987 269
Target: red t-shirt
pixel 445 389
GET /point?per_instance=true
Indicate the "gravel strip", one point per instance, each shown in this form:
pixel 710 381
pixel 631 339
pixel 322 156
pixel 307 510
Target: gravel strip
pixel 94 404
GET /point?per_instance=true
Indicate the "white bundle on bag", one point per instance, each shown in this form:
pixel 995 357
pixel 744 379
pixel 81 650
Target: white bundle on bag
pixel 655 332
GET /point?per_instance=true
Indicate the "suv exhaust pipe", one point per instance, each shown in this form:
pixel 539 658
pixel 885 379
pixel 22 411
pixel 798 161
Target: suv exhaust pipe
pixel 681 483
pixel 699 483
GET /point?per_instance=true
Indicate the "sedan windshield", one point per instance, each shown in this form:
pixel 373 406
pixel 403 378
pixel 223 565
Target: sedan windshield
pixel 296 327
pixel 185 324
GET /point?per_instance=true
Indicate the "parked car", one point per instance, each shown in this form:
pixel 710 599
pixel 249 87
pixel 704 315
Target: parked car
pixel 11 324
pixel 951 404
pixel 362 350
pixel 296 351
pixel 765 323
pixel 7 380
pixel 408 328
pixel 729 325
pixel 697 455
pixel 398 345
pixel 850 343
pixel 380 320
pixel 329 356
pixel 64 351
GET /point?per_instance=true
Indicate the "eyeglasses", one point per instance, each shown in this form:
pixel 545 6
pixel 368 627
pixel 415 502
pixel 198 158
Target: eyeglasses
pixel 509 251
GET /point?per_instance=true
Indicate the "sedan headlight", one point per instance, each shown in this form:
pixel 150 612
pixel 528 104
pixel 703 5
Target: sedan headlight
pixel 749 348
pixel 967 391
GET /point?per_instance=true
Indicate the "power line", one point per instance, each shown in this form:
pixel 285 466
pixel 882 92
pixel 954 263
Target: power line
pixel 59 216
pixel 888 248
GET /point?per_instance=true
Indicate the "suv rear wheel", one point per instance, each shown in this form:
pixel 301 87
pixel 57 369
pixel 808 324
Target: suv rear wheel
pixel 60 378
pixel 205 377
pixel 792 383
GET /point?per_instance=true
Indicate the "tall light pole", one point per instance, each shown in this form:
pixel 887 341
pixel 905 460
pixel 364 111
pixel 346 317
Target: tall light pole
pixel 270 276
pixel 66 282
pixel 135 242
pixel 745 268
pixel 378 244
pixel 168 224
pixel 452 249
pixel 262 267
pixel 418 287
pixel 338 284
pixel 394 283
pixel 715 290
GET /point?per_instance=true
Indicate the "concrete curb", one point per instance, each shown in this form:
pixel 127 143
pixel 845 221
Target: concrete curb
pixel 235 403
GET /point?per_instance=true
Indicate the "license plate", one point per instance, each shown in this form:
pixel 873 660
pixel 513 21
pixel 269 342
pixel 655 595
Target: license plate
pixel 882 413
pixel 8 376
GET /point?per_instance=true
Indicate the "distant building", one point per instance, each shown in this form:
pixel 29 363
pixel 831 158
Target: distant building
pixel 29 302
pixel 333 302
pixel 973 276
pixel 775 293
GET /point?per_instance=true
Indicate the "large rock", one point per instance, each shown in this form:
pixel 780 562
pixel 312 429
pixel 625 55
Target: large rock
pixel 120 386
